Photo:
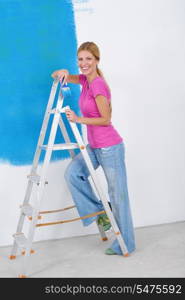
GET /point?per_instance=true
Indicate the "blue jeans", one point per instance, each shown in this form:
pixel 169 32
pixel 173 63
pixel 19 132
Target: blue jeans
pixel 111 159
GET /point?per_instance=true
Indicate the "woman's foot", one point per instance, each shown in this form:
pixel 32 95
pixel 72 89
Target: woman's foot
pixel 104 221
pixel 109 251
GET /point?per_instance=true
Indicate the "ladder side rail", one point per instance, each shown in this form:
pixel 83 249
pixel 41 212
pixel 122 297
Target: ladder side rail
pixel 47 158
pixel 40 141
pixel 65 135
pixel 98 187
pixel 72 153
pixel 104 200
pixel 40 188
pixel 67 139
pixel 32 228
pixel 36 159
pixel 26 200
pixel 51 141
pixel 44 125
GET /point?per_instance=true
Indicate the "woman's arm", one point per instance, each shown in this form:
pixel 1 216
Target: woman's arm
pixel 64 74
pixel 104 110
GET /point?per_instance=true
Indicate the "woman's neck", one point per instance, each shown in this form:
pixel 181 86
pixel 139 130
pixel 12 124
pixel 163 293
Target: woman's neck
pixel 91 77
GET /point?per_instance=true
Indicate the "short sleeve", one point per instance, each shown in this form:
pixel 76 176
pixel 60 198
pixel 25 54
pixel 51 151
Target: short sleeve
pixel 82 79
pixel 99 87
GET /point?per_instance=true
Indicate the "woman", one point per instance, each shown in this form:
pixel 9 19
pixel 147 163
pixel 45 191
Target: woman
pixel 105 148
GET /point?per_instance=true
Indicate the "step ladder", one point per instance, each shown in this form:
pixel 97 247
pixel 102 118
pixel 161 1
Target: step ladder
pixel 33 213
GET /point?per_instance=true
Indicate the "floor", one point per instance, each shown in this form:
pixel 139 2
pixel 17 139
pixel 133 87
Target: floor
pixel 160 253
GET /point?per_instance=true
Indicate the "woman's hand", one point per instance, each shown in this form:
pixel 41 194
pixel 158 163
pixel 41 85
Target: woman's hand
pixel 71 116
pixel 62 75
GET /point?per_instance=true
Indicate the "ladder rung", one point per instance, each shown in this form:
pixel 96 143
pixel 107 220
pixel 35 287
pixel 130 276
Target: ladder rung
pixel 20 240
pixel 71 220
pixel 56 210
pixel 64 146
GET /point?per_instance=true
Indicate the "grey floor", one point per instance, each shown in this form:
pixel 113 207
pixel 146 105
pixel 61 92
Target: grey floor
pixel 160 253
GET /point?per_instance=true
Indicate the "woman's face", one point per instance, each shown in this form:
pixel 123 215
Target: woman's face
pixel 87 63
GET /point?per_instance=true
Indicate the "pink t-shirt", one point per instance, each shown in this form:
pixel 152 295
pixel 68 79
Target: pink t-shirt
pixel 99 136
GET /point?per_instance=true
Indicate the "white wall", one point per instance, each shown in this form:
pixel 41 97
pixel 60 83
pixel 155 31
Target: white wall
pixel 142 45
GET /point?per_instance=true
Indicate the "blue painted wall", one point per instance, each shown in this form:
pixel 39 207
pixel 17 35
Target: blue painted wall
pixel 37 37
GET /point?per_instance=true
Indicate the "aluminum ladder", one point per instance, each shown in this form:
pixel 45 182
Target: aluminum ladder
pixel 33 213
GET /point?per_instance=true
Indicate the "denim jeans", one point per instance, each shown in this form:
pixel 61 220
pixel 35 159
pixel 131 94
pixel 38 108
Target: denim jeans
pixel 111 159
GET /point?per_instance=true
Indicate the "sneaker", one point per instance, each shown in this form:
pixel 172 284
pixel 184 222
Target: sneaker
pixel 104 221
pixel 109 251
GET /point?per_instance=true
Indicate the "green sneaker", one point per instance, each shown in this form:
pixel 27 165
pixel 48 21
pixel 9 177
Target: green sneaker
pixel 104 221
pixel 109 251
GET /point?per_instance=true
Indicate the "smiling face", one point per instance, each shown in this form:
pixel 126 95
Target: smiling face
pixel 87 64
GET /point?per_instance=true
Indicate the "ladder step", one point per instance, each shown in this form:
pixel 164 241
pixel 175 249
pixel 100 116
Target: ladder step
pixel 64 146
pixel 20 240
